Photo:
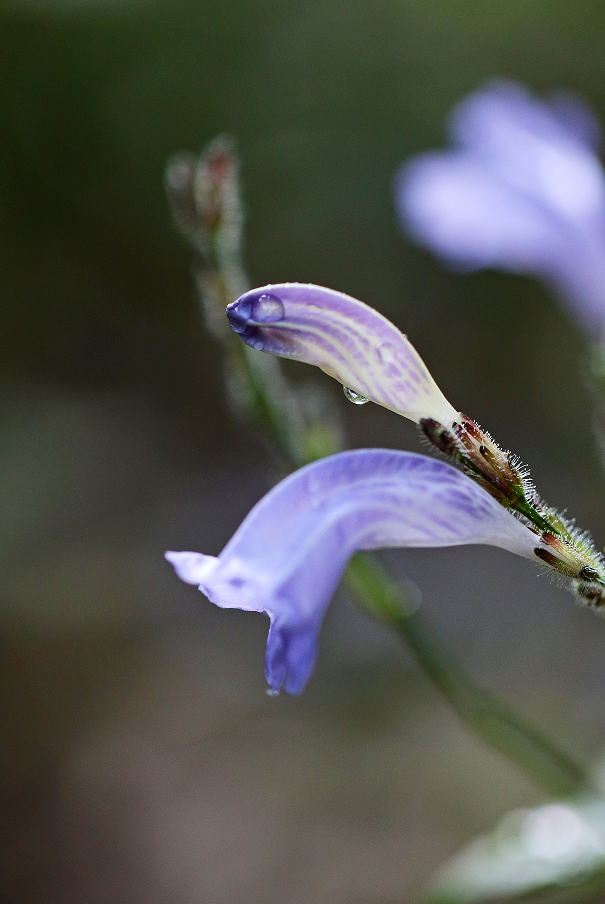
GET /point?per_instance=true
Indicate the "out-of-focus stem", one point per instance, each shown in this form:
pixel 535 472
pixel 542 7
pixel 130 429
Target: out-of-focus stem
pixel 207 209
pixel 479 710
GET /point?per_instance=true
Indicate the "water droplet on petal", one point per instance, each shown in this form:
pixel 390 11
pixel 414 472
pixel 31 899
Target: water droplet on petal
pixel 354 397
pixel 267 309
pixel 272 693
pixel 386 353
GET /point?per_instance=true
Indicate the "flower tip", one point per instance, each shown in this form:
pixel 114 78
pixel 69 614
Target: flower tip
pixel 237 314
pixel 191 567
pixel 255 309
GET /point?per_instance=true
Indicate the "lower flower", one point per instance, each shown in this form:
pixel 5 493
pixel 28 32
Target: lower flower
pixel 289 554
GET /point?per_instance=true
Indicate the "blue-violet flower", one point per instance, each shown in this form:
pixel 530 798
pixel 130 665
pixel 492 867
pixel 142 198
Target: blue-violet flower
pixel 289 554
pixel 522 190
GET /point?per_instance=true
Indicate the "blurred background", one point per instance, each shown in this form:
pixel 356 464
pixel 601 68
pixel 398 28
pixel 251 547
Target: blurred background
pixel 141 759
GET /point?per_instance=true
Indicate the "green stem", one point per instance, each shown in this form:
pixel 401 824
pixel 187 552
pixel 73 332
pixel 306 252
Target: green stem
pixel 480 710
pixel 271 413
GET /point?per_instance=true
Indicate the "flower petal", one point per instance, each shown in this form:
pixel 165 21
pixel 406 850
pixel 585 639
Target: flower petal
pixel 561 117
pixel 522 191
pixel 580 120
pixel 345 338
pixel 453 203
pixel 529 147
pixel 288 555
pixel 191 567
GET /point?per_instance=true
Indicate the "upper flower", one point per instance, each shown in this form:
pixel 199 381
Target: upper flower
pixel 345 338
pixel 522 190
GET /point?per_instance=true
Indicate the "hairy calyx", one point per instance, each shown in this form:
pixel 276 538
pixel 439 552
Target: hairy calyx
pixel 563 547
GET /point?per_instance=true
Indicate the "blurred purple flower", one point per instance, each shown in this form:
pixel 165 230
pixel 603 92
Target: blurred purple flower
pixel 288 555
pixel 522 190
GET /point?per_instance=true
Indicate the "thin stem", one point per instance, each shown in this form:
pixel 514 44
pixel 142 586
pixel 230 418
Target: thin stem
pixel 478 709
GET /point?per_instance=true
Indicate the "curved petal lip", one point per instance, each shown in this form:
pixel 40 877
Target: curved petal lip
pixel 289 553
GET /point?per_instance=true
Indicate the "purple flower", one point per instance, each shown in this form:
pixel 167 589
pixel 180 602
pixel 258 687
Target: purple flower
pixel 288 555
pixel 290 552
pixel 522 190
pixel 347 339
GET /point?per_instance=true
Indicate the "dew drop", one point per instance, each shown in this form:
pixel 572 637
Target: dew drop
pixel 267 309
pixel 386 353
pixel 354 397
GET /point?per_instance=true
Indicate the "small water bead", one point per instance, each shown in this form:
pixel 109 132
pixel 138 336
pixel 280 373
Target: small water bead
pixel 386 353
pixel 247 311
pixel 354 397
pixel 267 309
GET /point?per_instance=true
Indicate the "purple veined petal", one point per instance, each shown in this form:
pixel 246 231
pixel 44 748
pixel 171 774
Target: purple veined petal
pixel 347 339
pixel 288 555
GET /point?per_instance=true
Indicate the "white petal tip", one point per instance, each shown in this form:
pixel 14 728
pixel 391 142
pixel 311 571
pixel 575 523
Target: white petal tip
pixel 191 567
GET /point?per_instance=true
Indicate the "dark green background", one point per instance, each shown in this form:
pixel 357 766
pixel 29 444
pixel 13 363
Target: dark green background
pixel 142 761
